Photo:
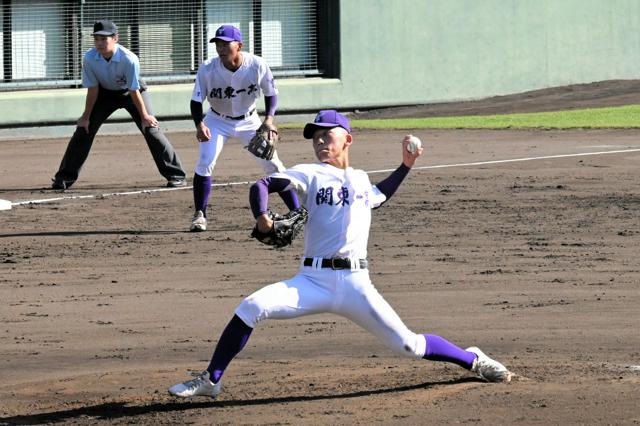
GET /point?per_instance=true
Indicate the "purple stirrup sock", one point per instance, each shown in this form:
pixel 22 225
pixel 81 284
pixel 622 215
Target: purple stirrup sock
pixel 290 198
pixel 439 349
pixel 231 342
pixel 201 191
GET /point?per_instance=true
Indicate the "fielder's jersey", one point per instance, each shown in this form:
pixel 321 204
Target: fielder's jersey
pixel 339 202
pixel 233 93
pixel 121 72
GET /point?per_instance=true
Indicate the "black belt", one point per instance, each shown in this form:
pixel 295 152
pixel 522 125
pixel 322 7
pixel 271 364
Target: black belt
pixel 117 93
pixel 337 263
pixel 239 117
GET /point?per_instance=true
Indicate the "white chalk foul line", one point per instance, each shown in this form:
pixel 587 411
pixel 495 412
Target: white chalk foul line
pixel 113 194
pixel 514 160
pixel 441 166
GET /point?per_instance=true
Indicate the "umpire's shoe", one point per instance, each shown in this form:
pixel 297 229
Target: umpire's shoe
pixel 489 369
pixel 60 184
pixel 200 385
pixel 176 183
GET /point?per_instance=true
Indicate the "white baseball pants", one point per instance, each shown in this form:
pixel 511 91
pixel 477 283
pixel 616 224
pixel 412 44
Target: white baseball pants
pixel 221 130
pixel 348 293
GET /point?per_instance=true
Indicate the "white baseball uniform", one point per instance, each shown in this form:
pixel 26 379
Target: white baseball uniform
pixel 232 96
pixel 339 202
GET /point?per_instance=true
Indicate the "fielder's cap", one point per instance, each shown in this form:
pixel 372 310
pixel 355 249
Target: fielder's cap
pixel 227 33
pixel 326 118
pixel 104 27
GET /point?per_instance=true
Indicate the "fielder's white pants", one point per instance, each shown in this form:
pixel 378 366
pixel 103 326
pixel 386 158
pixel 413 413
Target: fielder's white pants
pixel 348 293
pixel 221 130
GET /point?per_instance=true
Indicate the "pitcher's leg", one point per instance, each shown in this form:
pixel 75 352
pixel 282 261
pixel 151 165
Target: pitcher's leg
pixel 287 299
pixel 232 340
pixel 361 303
pixel 440 349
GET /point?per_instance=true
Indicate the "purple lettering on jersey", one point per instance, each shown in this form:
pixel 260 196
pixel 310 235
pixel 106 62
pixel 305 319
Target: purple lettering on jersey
pixel 364 196
pixel 252 88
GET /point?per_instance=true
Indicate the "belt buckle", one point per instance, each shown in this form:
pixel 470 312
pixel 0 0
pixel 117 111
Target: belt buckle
pixel 333 264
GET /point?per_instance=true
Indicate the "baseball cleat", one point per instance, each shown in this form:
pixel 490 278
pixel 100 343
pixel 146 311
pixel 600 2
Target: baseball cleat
pixel 58 184
pixel 489 369
pixel 200 385
pixel 199 222
pixel 176 183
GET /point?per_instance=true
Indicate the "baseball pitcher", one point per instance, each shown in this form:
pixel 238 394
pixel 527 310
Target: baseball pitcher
pixel 333 275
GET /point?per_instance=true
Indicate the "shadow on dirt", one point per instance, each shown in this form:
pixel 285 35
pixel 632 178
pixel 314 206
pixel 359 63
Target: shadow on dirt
pixel 115 410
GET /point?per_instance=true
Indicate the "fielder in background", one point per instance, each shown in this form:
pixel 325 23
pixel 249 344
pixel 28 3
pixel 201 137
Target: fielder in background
pixel 111 74
pixel 231 83
pixel 333 275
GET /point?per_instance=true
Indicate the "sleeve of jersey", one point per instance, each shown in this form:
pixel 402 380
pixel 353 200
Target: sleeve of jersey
pixel 377 197
pixel 133 74
pixel 298 177
pixel 88 76
pixel 267 82
pixel 198 95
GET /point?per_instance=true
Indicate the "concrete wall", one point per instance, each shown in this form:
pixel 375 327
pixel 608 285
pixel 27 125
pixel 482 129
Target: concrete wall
pixel 404 52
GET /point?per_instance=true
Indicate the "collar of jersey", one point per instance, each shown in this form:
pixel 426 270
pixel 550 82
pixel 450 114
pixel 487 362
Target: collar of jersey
pixel 332 167
pixel 114 58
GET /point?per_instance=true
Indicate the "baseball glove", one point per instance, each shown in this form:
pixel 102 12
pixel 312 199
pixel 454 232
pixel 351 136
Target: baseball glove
pixel 284 230
pixel 262 144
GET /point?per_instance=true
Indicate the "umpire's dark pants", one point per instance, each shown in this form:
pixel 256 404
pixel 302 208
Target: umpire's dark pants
pixel 107 103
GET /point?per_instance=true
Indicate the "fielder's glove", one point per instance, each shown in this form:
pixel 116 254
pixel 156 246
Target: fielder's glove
pixel 284 230
pixel 263 145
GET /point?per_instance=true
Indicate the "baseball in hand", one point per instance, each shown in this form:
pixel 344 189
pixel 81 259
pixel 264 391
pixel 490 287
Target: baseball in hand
pixel 414 144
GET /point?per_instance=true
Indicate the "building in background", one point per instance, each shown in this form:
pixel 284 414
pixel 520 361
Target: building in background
pixel 345 54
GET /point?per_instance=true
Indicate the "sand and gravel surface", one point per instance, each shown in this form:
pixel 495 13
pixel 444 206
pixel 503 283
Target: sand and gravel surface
pixel 106 299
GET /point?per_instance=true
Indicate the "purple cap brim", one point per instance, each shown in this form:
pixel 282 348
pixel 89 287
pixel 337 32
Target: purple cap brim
pixel 311 128
pixel 221 38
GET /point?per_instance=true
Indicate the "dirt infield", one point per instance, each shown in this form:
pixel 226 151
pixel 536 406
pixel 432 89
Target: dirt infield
pixel 107 300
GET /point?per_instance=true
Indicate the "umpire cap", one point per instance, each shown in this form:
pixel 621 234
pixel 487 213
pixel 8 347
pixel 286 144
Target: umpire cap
pixel 104 27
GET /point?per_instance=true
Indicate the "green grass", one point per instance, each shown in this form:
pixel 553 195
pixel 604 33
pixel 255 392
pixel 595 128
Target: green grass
pixel 624 117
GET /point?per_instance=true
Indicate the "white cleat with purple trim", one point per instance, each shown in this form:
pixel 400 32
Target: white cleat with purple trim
pixel 489 369
pixel 200 385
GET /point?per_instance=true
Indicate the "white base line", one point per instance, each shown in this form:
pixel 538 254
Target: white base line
pixel 442 166
pixel 513 160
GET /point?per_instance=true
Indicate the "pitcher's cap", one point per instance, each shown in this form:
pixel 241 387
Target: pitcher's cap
pixel 227 33
pixel 104 27
pixel 326 118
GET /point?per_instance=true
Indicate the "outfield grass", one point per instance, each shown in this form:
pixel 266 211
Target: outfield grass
pixel 624 117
